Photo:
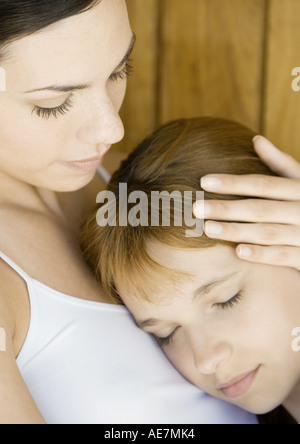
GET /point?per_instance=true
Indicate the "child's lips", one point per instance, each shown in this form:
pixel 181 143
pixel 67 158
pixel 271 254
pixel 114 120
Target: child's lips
pixel 238 385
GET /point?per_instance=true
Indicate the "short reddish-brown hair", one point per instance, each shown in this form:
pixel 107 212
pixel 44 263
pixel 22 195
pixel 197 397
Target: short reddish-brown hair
pixel 174 157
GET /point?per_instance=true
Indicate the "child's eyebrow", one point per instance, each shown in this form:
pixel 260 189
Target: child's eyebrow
pixel 147 323
pixel 207 288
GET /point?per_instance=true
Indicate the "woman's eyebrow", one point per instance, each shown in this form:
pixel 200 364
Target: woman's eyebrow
pixel 128 53
pixel 207 288
pixel 69 88
pixel 60 88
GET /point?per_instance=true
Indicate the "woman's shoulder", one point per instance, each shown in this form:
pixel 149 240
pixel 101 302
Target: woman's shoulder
pixel 19 407
pixel 7 315
pixel 14 306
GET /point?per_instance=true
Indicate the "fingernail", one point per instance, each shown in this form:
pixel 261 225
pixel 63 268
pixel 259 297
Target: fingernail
pixel 211 183
pixel 256 138
pixel 207 209
pixel 198 209
pixel 202 209
pixel 213 228
pixel 244 251
pixel 267 142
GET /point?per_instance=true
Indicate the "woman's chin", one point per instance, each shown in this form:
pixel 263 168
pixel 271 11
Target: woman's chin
pixel 75 184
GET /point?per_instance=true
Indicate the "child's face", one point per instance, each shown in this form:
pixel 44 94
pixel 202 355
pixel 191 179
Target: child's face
pixel 229 328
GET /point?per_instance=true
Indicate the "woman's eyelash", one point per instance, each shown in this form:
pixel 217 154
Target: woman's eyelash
pixel 46 113
pixel 125 72
pixel 232 302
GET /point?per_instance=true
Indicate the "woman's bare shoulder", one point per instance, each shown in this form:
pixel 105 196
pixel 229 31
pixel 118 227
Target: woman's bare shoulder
pixel 14 306
pixel 19 407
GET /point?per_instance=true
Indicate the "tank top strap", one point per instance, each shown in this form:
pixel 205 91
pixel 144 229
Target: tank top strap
pixel 104 174
pixel 15 267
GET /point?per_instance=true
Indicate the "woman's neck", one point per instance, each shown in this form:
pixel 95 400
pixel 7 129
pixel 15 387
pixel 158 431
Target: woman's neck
pixel 15 193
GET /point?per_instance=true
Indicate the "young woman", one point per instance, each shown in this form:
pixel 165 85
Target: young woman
pixel 226 324
pixel 67 354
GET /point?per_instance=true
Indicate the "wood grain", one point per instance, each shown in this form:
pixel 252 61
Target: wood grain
pixel 227 58
pixel 212 59
pixel 282 104
pixel 139 110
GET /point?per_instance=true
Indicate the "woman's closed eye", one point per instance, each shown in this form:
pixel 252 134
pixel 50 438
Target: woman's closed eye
pixel 48 112
pixel 124 73
pixel 45 113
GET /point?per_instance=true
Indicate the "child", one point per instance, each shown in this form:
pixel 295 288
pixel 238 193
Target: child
pixel 225 324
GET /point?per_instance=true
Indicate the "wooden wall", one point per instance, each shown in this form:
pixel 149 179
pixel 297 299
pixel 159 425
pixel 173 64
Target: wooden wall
pixel 226 58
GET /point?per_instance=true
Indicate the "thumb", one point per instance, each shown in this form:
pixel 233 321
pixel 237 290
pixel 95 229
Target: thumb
pixel 278 161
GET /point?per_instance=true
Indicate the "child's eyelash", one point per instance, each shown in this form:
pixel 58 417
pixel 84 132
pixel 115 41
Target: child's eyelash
pixel 125 72
pixel 232 302
pixel 46 113
pixel 223 305
pixel 168 340
pixel 165 341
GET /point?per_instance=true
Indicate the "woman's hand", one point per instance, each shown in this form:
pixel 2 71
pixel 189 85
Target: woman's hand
pixel 267 230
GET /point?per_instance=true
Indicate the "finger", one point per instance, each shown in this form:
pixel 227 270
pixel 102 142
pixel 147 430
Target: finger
pixel 253 185
pixel 250 210
pixel 278 256
pixel 279 162
pixel 262 234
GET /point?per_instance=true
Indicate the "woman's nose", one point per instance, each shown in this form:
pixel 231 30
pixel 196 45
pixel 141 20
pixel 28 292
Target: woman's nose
pixel 104 126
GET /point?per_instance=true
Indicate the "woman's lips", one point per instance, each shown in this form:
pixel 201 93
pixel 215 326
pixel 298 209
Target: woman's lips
pixel 238 386
pixel 87 165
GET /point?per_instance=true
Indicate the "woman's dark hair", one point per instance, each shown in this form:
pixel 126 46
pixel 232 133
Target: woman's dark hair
pixel 20 18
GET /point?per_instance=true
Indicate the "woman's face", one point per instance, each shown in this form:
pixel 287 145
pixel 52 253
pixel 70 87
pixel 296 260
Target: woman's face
pixel 228 329
pixel 64 89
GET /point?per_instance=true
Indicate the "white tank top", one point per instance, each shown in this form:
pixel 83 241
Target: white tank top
pixel 86 362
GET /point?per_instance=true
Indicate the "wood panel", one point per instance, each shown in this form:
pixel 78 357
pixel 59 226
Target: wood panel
pixel 228 58
pixel 282 105
pixel 211 61
pixel 139 112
